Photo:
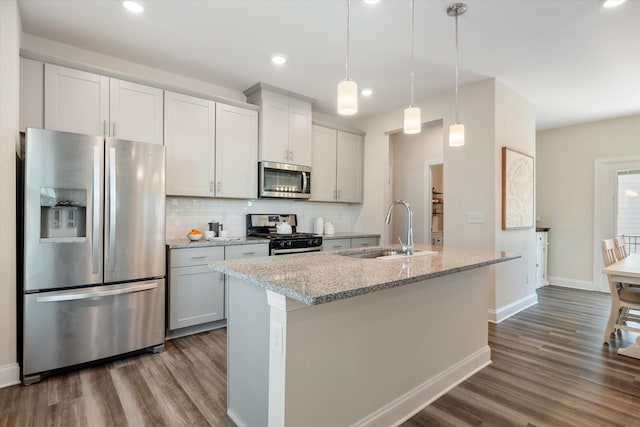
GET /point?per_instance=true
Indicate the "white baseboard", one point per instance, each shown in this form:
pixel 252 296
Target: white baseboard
pixel 497 316
pixel 395 412
pixel 9 375
pixel 571 283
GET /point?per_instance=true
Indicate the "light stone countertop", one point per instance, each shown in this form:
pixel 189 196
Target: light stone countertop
pixel 186 243
pixel 321 277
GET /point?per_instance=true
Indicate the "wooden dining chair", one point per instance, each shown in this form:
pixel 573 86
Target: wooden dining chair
pixel 623 298
pixel 608 252
pixel 621 247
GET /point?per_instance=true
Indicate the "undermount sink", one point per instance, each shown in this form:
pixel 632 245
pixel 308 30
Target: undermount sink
pixel 388 254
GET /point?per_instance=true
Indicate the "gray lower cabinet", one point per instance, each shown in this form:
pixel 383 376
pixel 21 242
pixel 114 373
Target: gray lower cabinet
pixel 196 294
pixel 363 242
pixel 349 243
pixel 336 244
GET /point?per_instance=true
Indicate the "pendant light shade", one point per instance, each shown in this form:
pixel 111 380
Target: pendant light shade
pixel 348 89
pixel 412 120
pixel 347 97
pixel 456 135
pixel 456 131
pixel 412 117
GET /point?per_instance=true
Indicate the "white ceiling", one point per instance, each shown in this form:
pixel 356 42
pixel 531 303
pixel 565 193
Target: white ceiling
pixel 573 59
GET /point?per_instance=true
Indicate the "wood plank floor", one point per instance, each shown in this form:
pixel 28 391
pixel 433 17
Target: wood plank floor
pixel 549 369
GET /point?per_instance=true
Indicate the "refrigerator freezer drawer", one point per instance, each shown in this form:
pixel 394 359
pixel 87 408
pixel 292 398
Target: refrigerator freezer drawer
pixel 66 328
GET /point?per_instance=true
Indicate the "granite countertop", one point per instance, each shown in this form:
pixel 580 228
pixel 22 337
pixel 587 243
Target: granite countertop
pixel 186 243
pixel 348 236
pixel 321 277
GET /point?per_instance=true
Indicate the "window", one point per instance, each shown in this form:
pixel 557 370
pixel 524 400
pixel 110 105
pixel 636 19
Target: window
pixel 628 212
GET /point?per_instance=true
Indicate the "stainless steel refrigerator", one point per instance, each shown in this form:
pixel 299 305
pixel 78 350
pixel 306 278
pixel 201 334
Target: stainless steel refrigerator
pixel 94 249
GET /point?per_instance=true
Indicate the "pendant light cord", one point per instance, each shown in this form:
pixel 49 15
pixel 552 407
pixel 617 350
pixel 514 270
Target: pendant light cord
pixel 412 59
pixel 348 77
pixel 456 66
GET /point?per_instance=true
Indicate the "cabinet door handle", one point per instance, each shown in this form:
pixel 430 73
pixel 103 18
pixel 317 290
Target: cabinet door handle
pixel 364 244
pixel 248 253
pixel 219 186
pixel 198 257
pixel 336 246
pixel 210 186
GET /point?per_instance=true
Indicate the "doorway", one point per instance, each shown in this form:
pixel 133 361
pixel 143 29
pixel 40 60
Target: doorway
pixel 605 217
pixel 434 203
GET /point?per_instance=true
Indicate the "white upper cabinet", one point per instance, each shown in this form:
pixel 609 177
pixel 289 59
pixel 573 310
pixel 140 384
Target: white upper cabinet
pixel 212 148
pixel 236 152
pixel 300 136
pixel 189 124
pixel 337 167
pixel 135 111
pixel 285 124
pixel 75 101
pixel 349 169
pixel 82 102
pixel 323 165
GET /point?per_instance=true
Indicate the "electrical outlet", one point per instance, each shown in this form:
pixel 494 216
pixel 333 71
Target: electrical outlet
pixel 276 338
pixel 476 217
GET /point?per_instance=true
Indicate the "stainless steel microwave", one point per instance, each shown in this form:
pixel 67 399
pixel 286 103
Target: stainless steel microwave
pixel 283 180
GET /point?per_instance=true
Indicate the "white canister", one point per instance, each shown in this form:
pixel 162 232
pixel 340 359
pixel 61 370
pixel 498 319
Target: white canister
pixel 329 228
pixel 318 225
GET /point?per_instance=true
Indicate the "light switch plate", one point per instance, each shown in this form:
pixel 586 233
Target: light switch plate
pixel 476 217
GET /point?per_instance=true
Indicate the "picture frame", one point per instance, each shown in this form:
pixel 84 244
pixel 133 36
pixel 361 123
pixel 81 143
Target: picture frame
pixel 517 190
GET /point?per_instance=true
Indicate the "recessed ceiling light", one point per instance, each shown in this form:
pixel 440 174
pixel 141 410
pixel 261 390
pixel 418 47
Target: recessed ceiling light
pixel 278 59
pixel 133 6
pixel 366 92
pixel 371 1
pixel 612 3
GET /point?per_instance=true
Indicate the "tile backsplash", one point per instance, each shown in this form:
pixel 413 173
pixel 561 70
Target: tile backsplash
pixel 183 214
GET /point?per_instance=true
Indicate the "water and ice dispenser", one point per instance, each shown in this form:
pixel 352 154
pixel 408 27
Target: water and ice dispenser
pixel 63 213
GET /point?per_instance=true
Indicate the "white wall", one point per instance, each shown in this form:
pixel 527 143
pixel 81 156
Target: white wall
pixel 565 196
pixel 409 154
pixel 516 129
pixel 493 116
pixel 9 121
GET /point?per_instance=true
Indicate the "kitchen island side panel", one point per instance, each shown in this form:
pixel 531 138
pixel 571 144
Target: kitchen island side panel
pixel 247 353
pixel 375 359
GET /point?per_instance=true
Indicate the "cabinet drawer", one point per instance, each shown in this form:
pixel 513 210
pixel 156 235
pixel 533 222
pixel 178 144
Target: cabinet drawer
pixel 336 244
pixel 246 251
pixel 541 237
pixel 363 242
pixel 195 256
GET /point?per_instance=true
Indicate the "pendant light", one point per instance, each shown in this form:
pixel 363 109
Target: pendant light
pixel 348 89
pixel 456 130
pixel 412 120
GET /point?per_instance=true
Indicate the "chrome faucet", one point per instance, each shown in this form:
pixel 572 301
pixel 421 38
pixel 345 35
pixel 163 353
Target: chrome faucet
pixel 408 249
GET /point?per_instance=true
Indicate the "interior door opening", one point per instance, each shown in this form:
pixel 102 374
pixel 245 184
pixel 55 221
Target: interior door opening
pixel 628 208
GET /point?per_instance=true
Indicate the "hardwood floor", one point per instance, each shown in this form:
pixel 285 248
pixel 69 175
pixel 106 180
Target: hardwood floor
pixel 549 369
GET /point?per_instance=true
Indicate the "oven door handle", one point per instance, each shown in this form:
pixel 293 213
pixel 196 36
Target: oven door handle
pixel 295 251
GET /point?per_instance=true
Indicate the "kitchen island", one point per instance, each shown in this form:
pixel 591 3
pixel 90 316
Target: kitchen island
pixel 330 339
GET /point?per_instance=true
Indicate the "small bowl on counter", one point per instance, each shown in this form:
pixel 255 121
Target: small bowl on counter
pixel 194 237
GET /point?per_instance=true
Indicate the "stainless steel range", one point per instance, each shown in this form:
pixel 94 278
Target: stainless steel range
pixel 281 230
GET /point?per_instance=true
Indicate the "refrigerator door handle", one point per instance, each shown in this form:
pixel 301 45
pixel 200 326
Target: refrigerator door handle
pixel 76 295
pixel 112 208
pixel 95 238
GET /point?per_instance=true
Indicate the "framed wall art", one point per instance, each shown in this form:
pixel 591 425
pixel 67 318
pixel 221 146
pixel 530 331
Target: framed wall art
pixel 517 190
